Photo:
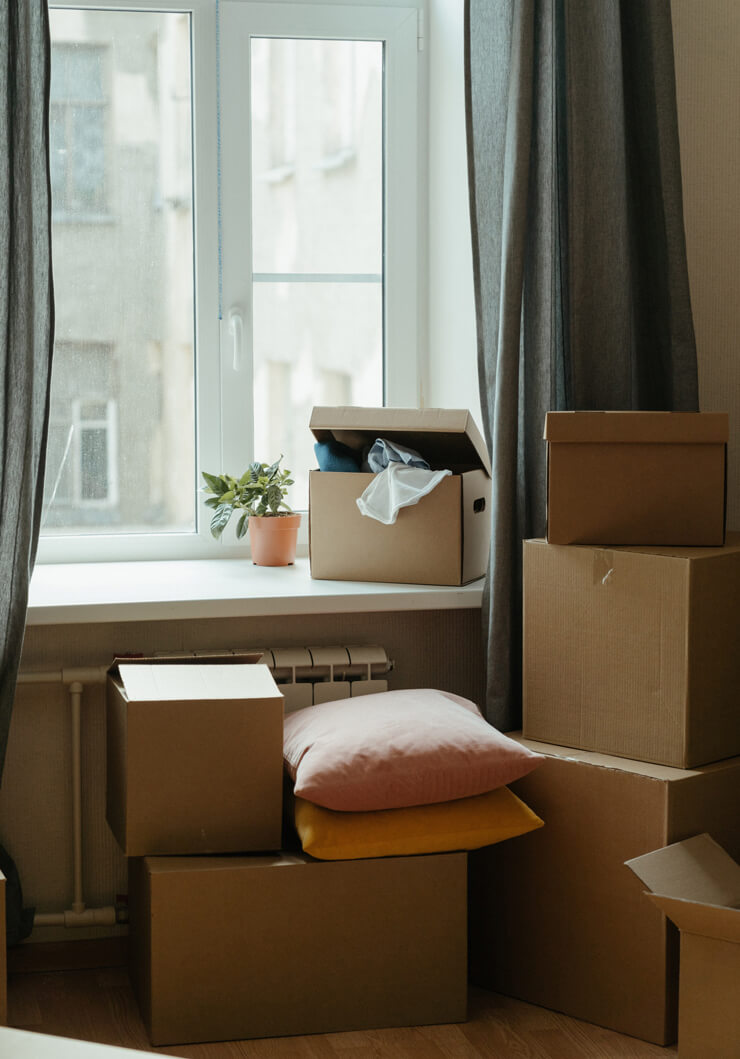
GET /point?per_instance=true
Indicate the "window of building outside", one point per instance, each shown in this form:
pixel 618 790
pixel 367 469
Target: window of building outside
pixel 234 210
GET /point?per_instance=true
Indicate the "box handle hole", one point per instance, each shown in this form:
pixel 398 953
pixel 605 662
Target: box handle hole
pixel 479 504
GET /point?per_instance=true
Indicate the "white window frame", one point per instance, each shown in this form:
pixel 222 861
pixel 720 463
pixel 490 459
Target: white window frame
pixel 223 415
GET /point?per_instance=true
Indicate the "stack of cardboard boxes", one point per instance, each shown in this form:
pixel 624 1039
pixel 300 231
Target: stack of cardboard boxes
pixel 232 936
pixel 631 688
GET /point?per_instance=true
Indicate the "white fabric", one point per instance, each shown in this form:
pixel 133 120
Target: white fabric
pixel 396 487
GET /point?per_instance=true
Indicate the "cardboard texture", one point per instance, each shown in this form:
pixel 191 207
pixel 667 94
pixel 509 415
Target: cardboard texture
pixel 633 651
pixel 636 477
pixel 194 755
pixel 233 948
pixel 441 540
pixel 697 885
pixel 555 917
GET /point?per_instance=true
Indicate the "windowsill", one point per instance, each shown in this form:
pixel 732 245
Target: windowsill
pixel 217 588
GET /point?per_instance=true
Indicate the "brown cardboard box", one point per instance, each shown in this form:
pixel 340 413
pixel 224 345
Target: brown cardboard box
pixel 195 755
pixel 226 948
pixel 441 540
pixel 636 477
pixel 697 885
pixel 556 918
pixel 633 651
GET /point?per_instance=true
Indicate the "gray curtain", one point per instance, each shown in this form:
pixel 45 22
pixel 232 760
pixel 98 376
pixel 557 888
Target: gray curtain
pixel 26 317
pixel 579 258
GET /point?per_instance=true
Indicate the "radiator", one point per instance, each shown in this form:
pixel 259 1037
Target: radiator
pixel 310 675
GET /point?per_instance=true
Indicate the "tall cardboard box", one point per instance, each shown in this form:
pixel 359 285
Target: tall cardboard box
pixel 697 885
pixel 633 651
pixel 236 947
pixel 556 918
pixel 636 477
pixel 194 755
pixel 441 540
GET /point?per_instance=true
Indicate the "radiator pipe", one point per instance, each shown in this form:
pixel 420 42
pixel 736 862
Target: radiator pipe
pixel 77 915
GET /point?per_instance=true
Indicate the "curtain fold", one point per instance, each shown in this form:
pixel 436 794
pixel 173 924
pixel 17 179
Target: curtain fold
pixel 26 318
pixel 579 260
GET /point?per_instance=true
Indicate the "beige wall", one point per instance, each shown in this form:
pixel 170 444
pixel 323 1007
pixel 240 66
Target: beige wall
pixel 707 44
pixel 429 648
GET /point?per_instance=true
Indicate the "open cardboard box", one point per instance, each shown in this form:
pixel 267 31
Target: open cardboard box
pixel 697 885
pixel 441 540
pixel 194 755
pixel 636 477
pixel 555 917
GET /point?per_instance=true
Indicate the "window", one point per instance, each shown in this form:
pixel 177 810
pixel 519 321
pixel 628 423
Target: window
pixel 82 464
pixel 235 240
pixel 77 120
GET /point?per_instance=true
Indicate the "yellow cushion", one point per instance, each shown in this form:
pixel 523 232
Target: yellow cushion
pixel 466 823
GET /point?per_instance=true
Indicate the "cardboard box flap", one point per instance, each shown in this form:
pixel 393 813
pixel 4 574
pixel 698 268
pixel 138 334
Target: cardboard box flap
pixel 693 917
pixel 147 682
pixel 696 883
pixel 637 427
pixel 445 437
pixel 697 869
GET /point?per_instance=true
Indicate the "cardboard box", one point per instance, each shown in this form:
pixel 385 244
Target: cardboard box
pixel 636 477
pixel 195 755
pixel 697 885
pixel 633 651
pixel 555 917
pixel 232 948
pixel 441 540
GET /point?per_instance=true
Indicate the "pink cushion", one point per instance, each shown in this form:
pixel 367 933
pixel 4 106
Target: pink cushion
pixel 396 749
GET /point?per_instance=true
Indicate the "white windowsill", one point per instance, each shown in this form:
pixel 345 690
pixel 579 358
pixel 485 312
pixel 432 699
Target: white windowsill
pixel 217 588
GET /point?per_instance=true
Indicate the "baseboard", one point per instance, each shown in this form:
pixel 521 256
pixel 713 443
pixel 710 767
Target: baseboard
pixel 78 955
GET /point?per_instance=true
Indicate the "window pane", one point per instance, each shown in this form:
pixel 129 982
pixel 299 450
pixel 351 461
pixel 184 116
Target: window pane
pixel 317 155
pixel 121 451
pixel 94 463
pixel 314 343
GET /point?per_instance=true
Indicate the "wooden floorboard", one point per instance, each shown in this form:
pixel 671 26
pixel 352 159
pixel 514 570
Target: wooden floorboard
pixel 98 1005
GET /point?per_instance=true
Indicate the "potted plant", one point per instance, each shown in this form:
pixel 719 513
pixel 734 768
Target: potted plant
pixel 260 495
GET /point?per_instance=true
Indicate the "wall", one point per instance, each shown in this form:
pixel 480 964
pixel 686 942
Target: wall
pixel 707 39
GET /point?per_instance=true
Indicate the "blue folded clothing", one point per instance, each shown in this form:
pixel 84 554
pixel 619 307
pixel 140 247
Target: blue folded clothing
pixel 334 456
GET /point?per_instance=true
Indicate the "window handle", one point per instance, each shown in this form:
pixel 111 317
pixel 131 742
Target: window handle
pixel 236 331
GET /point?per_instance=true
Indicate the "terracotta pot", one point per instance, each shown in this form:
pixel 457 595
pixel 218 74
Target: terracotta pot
pixel 273 539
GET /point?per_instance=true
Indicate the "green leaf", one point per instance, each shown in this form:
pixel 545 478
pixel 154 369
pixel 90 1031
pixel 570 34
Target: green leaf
pixel 220 520
pixel 273 496
pixel 226 498
pixel 213 482
pixel 212 501
pixel 241 526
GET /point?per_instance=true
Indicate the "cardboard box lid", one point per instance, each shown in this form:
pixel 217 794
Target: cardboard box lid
pixel 662 773
pixel 697 885
pixel 191 680
pixel 685 552
pixel 443 436
pixel 637 427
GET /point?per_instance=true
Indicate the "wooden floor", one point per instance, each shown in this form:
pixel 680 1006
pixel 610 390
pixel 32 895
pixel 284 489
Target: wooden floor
pixel 98 1005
